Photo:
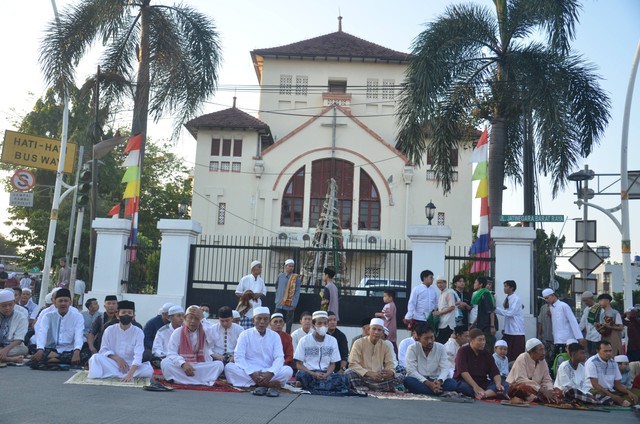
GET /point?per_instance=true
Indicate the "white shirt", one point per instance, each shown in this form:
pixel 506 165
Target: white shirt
pixel 445 300
pixel 567 377
pixel 420 366
pixel 127 344
pixel 25 283
pixel 256 285
pixel 297 335
pixel 316 355
pixel 606 372
pixel 256 353
pixel 173 348
pixel 422 301
pixel 218 336
pixel 393 352
pixel 161 341
pixel 592 333
pixel 451 347
pixel 402 350
pixel 564 323
pixel 63 333
pixel 513 317
pixel 32 308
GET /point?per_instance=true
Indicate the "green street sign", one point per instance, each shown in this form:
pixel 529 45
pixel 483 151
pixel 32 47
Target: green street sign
pixel 531 218
pixel 35 269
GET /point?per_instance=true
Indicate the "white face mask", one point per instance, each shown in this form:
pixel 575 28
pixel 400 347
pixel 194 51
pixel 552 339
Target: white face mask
pixel 322 331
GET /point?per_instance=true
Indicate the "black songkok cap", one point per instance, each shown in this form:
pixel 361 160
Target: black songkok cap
pixel 63 293
pixel 126 304
pixel 111 297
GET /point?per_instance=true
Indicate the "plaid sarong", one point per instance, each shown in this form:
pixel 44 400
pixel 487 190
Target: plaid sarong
pixel 594 398
pixel 361 383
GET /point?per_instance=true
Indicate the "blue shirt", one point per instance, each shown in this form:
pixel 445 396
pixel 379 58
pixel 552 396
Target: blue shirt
pixel 281 288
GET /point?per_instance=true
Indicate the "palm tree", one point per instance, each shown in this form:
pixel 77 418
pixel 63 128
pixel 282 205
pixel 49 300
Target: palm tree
pixel 175 48
pixel 476 64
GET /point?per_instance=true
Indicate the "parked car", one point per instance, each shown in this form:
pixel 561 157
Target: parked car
pixel 380 284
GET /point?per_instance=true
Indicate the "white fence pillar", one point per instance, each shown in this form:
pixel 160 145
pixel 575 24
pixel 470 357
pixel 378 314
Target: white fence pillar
pixel 428 243
pixel 514 261
pixel 108 268
pixel 177 237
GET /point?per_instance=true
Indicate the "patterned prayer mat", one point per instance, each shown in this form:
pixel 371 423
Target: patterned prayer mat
pixel 220 386
pixel 402 396
pixel 81 377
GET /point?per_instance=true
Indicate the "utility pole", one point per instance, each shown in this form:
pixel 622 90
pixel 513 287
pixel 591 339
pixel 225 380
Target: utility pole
pixel 94 176
pixel 73 206
pixel 53 222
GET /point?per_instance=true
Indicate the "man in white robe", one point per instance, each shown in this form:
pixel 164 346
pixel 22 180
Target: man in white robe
pixel 259 358
pixel 189 358
pixel 60 334
pixel 161 341
pixel 224 335
pixel 121 349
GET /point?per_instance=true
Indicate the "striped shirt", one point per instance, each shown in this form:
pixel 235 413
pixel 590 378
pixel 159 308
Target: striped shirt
pixel 606 372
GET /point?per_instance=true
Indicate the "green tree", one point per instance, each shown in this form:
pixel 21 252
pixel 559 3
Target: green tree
pixel 164 185
pixel 175 46
pixel 7 247
pixel 474 64
pixel 545 249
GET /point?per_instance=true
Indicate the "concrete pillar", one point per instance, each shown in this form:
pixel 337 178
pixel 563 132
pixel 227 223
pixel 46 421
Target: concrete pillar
pixel 177 237
pixel 514 261
pixel 110 260
pixel 428 243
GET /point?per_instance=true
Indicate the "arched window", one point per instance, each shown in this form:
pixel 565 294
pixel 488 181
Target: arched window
pixel 293 201
pixel 369 210
pixel 322 171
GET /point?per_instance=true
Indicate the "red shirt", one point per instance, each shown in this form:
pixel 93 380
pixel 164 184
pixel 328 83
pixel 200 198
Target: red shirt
pixel 481 366
pixel 287 347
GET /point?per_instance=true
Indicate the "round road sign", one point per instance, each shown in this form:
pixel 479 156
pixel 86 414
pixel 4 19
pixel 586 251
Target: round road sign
pixel 23 180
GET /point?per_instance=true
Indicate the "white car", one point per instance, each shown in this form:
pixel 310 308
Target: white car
pixel 380 284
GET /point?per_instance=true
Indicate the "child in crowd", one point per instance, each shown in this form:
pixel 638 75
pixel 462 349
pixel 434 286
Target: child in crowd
pixel 500 357
pixel 388 314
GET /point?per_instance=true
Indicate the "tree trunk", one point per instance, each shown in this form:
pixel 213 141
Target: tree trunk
pixel 496 169
pixel 141 101
pixel 528 184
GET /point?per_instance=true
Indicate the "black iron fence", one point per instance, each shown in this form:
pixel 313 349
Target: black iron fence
pixel 458 261
pixel 141 271
pixel 365 269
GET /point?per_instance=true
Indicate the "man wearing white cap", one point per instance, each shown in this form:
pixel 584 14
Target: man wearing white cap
pixel 287 292
pixel 236 317
pixel 253 282
pixel 316 357
pixel 446 311
pixel 225 336
pixel 121 349
pixel 13 328
pixel 500 351
pixel 529 378
pixel 371 361
pixel 259 358
pixel 153 325
pixel 625 371
pixel 27 302
pixel 161 342
pixel 592 315
pixel 563 321
pixel 189 358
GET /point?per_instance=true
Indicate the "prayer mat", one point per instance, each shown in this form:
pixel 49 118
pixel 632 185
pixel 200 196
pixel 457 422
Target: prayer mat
pixel 219 386
pixel 81 377
pixel 401 396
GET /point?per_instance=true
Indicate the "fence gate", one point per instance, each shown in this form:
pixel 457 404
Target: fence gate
pixel 217 265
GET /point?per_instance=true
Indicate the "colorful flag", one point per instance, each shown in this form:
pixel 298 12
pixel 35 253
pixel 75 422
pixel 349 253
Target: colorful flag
pixel 131 193
pixel 480 248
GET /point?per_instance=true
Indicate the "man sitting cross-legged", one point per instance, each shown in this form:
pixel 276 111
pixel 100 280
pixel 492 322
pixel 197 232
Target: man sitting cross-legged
pixel 13 328
pixel 59 336
pixel 316 357
pixel 224 335
pixel 427 365
pixel 572 379
pixel 188 358
pixel 476 371
pixel 277 324
pixel 529 378
pixel 305 329
pixel 259 358
pixel 161 341
pixel 371 361
pixel 121 349
pixel 605 376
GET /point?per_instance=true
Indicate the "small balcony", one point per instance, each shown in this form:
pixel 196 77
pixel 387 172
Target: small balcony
pixel 340 99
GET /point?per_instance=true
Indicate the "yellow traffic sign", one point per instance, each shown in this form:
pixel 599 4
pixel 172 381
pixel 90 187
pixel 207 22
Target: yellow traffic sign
pixel 36 152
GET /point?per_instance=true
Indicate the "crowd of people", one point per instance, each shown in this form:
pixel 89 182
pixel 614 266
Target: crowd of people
pixel 456 348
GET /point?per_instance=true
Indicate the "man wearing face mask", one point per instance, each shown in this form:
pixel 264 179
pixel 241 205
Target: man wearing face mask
pixel 121 350
pixel 316 356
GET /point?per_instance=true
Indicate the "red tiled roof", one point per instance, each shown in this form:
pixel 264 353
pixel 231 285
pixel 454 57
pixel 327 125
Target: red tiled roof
pixel 232 118
pixel 336 44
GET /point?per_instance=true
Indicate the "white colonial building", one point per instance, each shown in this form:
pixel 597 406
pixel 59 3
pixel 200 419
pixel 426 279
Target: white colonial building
pixel 328 109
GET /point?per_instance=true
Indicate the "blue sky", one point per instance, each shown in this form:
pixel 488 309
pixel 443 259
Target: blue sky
pixel 607 35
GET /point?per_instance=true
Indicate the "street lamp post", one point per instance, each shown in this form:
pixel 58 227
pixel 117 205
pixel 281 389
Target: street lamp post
pixel 582 179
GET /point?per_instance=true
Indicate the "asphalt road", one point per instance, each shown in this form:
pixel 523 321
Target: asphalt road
pixel 28 396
